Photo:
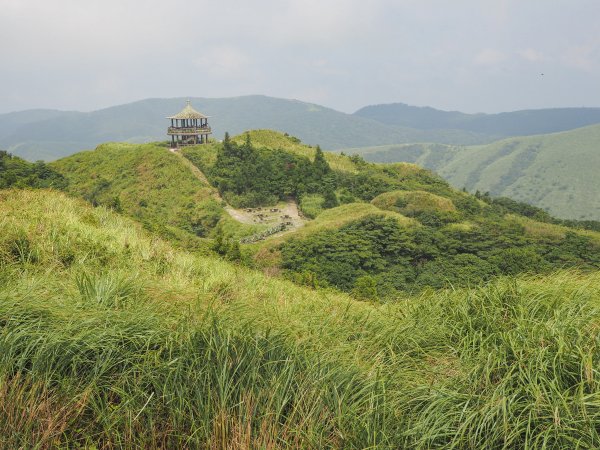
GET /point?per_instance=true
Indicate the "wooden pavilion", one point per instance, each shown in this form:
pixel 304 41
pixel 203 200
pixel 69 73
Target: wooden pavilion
pixel 188 127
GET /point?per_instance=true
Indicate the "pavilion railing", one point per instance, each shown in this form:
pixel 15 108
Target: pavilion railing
pixel 189 130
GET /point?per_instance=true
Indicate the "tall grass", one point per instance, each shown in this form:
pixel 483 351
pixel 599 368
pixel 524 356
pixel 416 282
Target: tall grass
pixel 112 339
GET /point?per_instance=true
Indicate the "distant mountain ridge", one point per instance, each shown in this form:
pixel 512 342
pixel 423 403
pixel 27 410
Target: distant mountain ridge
pixel 51 134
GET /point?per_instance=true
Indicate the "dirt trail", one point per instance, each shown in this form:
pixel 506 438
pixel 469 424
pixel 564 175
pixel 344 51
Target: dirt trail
pixel 240 215
pixel 197 172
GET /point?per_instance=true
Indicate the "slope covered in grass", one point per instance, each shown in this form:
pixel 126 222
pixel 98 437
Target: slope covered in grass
pixel 111 338
pixel 376 229
pixel 556 172
pixel 413 202
pixel 150 184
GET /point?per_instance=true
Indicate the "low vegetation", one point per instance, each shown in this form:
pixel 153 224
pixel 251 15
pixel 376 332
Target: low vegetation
pixel 391 257
pixel 112 338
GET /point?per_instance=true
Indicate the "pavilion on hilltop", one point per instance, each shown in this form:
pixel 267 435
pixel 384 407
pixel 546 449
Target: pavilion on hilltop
pixel 188 127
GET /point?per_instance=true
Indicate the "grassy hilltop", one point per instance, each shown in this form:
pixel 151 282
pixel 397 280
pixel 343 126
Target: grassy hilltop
pixel 151 185
pixel 110 337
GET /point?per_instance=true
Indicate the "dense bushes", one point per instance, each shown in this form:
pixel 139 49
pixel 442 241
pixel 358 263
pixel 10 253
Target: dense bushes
pixel 250 176
pixel 247 176
pixel 16 172
pixel 406 259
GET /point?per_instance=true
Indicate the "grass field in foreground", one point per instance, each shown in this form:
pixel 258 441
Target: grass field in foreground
pixel 110 338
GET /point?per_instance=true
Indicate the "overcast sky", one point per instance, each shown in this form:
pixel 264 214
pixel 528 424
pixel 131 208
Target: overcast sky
pixel 468 55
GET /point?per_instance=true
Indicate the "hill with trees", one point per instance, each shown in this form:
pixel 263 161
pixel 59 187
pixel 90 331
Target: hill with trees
pixel 49 135
pixel 417 231
pixel 152 185
pixel 403 314
pixel 394 227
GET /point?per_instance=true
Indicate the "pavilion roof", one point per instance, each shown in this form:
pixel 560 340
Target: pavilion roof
pixel 188 113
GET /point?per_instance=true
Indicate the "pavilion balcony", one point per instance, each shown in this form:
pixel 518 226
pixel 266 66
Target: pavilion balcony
pixel 189 130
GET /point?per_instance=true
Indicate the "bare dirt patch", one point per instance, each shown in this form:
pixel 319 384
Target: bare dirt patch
pixel 286 213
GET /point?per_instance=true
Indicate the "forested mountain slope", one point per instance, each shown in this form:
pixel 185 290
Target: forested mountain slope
pixel 50 135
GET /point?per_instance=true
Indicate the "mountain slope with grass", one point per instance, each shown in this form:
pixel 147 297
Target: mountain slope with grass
pixel 110 337
pixel 325 220
pixel 381 229
pixel 556 172
pixel 152 185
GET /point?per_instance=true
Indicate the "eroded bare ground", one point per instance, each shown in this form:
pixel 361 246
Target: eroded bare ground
pixel 286 213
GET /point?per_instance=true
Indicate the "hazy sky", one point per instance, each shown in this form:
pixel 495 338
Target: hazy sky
pixel 468 55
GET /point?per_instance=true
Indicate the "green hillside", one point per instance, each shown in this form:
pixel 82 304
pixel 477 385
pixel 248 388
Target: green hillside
pixel 392 228
pixel 110 338
pixel 556 171
pixel 373 230
pixel 151 185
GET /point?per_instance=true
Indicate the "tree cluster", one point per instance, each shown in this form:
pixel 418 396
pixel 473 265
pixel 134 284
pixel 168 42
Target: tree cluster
pixel 16 172
pixel 247 176
pixel 377 254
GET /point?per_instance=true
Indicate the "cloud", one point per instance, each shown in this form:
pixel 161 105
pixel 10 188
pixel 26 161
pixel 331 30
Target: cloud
pixel 582 57
pixel 324 22
pixel 490 57
pixel 531 55
pixel 74 54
